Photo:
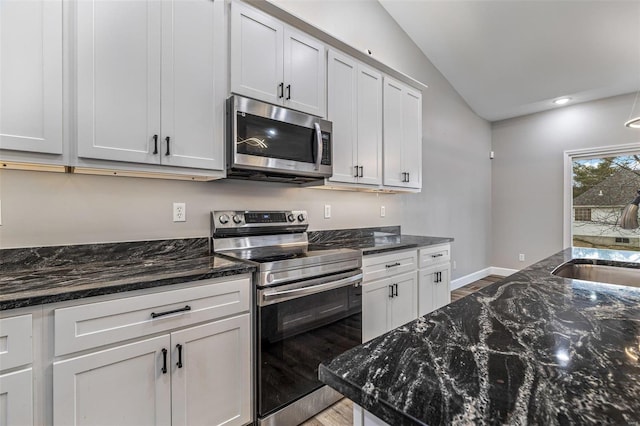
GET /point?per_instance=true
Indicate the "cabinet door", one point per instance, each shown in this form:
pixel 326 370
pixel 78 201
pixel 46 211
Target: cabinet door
pixel 213 384
pixel 369 121
pixel 441 287
pixel 304 73
pixel 256 54
pixel 342 110
pixel 118 79
pixel 120 386
pixel 412 139
pixel 403 305
pixel 434 288
pixel 393 133
pixel 192 103
pixel 31 76
pixel 16 398
pixel 426 284
pixel 376 297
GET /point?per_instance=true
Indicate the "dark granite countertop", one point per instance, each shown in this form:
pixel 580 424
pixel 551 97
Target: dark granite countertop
pixel 371 240
pixel 530 349
pixel 35 276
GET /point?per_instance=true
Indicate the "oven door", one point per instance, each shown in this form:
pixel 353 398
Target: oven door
pixel 269 138
pixel 300 326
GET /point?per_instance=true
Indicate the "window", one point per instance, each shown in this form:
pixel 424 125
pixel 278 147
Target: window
pixel 582 214
pixel 602 184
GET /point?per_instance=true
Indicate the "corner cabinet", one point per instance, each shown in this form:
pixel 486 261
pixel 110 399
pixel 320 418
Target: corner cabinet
pixel 149 88
pixel 275 63
pixel 180 357
pixel 402 135
pixel 355 108
pixel 31 80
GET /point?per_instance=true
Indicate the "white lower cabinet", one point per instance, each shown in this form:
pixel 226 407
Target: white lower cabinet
pixel 433 288
pixel 124 385
pixel 434 278
pixel 388 303
pixel 197 376
pixel 16 398
pixel 183 359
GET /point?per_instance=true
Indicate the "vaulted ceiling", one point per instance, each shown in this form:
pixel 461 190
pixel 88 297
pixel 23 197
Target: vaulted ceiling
pixel 513 57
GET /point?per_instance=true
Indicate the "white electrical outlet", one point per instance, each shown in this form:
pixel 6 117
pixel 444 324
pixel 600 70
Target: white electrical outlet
pixel 327 211
pixel 179 212
pixel 382 211
pixel 521 257
pixel 455 265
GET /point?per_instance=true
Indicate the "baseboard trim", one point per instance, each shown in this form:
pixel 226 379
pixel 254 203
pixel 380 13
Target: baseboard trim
pixel 478 275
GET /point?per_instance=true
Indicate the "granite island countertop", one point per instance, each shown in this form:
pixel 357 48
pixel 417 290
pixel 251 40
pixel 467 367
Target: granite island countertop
pixel 533 348
pixel 35 276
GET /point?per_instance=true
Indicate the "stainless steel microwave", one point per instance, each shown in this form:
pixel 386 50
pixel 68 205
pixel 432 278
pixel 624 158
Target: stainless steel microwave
pixel 268 142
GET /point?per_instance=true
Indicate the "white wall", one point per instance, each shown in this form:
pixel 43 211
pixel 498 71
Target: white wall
pixel 528 173
pixel 50 209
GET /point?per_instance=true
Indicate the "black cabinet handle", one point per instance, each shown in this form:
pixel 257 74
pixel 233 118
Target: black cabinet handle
pixel 288 91
pixel 361 171
pixel 168 139
pixel 356 169
pixel 392 265
pixel 404 176
pixel 395 286
pixel 281 90
pixel 408 177
pixel 161 314
pixel 164 362
pixel 437 255
pixel 390 291
pixel 179 347
pixel 155 144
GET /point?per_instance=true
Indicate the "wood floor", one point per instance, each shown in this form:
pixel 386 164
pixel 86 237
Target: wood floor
pixel 341 413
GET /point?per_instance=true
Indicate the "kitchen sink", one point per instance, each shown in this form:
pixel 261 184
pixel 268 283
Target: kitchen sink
pixel 589 270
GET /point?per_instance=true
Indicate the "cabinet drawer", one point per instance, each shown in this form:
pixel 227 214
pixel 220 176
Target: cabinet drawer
pixel 433 255
pixel 388 265
pixel 15 341
pixel 96 324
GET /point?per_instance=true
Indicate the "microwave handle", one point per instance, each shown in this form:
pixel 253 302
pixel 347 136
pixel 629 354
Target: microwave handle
pixel 319 141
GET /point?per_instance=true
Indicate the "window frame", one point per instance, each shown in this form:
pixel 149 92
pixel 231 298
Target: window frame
pixel 584 154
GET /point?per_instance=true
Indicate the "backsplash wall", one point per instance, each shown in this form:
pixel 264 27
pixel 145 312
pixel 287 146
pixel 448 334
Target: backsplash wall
pixel 44 209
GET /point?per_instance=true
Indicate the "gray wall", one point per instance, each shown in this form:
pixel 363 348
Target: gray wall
pixel 456 171
pixel 49 209
pixel 528 173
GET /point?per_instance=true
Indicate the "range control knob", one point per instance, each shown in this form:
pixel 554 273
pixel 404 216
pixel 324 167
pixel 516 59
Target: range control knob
pixel 223 219
pixel 237 218
pixel 291 217
pixel 301 217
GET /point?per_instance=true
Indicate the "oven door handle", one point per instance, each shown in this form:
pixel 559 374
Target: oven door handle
pixel 319 146
pixel 269 297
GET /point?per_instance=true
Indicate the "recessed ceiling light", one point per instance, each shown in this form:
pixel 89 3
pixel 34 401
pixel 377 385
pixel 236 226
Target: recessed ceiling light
pixel 634 123
pixel 561 101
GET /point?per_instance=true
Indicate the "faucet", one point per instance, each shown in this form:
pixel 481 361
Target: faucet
pixel 629 218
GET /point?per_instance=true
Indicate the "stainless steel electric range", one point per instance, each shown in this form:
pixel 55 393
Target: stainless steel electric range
pixel 308 308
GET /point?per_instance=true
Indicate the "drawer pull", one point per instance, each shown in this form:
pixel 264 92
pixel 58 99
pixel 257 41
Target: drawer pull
pixel 161 314
pixel 390 291
pixel 179 347
pixel 392 265
pixel 395 292
pixel 437 255
pixel 164 361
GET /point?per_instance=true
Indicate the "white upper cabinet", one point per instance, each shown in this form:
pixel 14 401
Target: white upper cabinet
pixel 402 135
pixel 355 108
pixel 147 82
pixel 342 110
pixel 275 63
pixel 31 76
